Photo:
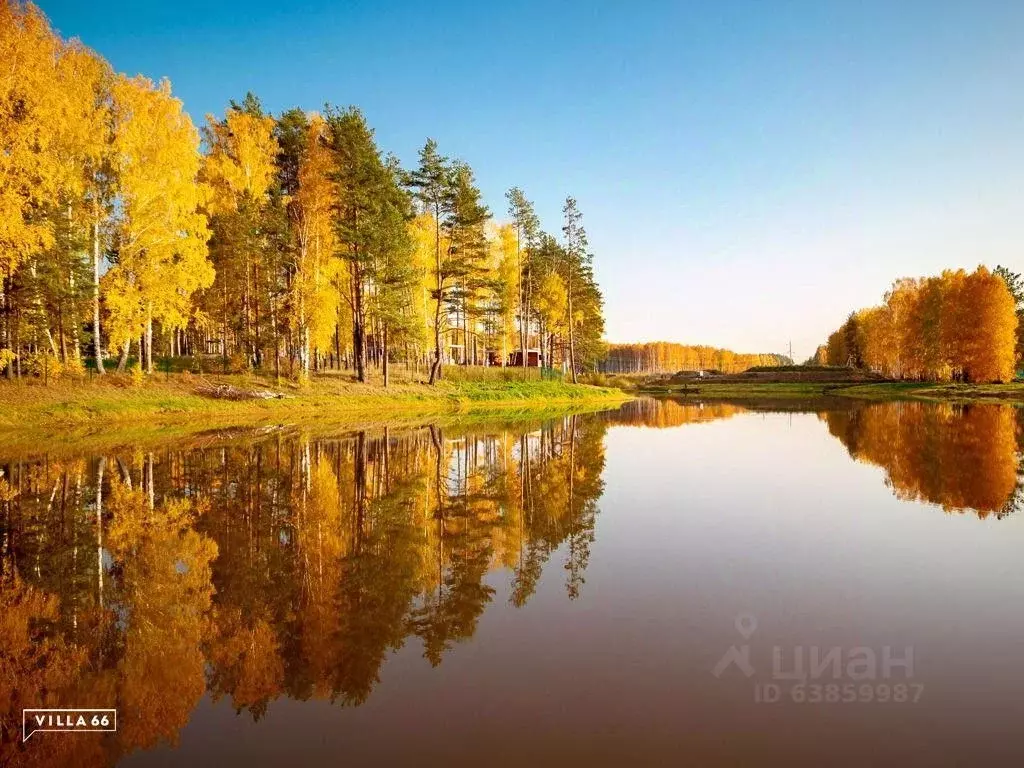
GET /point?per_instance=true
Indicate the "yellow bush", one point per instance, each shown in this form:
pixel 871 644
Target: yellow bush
pixel 74 369
pixel 238 363
pixel 43 365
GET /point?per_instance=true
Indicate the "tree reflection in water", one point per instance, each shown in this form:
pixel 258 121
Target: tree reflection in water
pixel 961 457
pixel 282 565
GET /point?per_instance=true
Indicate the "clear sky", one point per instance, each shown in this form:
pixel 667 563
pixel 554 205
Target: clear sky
pixel 749 172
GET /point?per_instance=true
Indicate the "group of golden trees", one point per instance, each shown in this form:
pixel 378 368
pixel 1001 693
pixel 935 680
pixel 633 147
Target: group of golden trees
pixel 953 327
pixel 285 241
pixel 253 570
pixel 669 357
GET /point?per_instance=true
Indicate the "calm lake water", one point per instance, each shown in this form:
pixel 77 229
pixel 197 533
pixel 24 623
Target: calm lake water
pixel 670 583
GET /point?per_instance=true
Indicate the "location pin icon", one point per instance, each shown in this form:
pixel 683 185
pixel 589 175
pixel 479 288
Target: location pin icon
pixel 746 625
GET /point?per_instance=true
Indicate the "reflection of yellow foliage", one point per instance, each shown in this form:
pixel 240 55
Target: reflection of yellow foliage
pixel 670 413
pixel 958 457
pixel 167 590
pixel 246 660
pixel 7 491
pixel 331 556
pixel 322 536
pixel 35 670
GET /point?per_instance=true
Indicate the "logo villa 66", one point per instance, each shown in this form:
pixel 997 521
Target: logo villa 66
pixel 66 721
pixel 821 675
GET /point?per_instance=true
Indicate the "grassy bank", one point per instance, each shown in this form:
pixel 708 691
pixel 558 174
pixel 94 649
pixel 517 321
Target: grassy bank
pixel 883 390
pixel 116 402
pixel 894 390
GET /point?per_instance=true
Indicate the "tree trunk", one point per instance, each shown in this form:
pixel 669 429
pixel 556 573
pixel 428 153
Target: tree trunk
pixel 5 308
pixel 526 334
pixel 358 324
pixel 522 313
pixel 435 366
pixel 258 349
pixel 384 355
pixel 224 325
pixel 572 341
pixel 337 344
pixel 303 328
pixel 149 338
pixel 123 362
pixel 60 333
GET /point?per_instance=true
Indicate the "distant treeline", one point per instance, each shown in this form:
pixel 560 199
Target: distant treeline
pixel 670 357
pixel 953 327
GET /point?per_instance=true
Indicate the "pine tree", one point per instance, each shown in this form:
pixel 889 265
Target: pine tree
pixel 464 226
pixel 393 271
pixel 527 228
pixel 432 181
pixel 577 269
pixel 370 216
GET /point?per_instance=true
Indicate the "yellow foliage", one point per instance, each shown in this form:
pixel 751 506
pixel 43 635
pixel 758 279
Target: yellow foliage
pixel 43 365
pixel 320 278
pixel 73 368
pixel 662 356
pixel 423 230
pixel 551 302
pixel 956 325
pixel 30 99
pixel 242 149
pixel 163 256
pixel 958 458
pixel 136 375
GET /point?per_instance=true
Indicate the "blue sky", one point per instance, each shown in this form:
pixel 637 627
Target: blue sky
pixel 749 172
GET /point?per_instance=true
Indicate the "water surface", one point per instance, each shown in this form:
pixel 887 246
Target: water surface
pixel 558 591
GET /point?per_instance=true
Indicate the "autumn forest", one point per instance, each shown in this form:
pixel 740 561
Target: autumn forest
pixel 286 243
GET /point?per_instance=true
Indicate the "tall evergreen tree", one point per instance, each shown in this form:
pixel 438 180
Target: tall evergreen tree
pixel 370 216
pixel 577 269
pixel 465 266
pixel 527 227
pixel 392 269
pixel 432 181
